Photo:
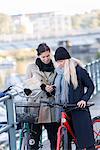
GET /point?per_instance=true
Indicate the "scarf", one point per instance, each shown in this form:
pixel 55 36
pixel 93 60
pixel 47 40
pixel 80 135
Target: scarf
pixel 45 67
pixel 61 87
pixel 61 94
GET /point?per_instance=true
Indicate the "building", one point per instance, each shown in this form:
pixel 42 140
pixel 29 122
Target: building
pixel 44 25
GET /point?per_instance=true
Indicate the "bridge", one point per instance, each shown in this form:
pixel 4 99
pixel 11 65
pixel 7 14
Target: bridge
pixel 94 71
pixel 19 41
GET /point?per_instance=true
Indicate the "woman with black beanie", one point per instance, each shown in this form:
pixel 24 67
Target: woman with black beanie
pixel 74 86
pixel 41 76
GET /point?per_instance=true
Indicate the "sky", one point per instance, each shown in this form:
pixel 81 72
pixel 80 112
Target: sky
pixel 69 7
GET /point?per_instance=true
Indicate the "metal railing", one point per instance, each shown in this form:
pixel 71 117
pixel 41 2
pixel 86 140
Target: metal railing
pixel 10 126
pixel 94 71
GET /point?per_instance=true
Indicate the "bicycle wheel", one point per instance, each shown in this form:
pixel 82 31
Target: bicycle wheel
pixel 23 144
pixel 64 139
pixel 96 129
pixel 23 140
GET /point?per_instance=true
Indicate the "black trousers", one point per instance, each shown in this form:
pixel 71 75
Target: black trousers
pixel 36 131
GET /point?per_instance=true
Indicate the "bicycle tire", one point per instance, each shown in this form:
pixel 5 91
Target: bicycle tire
pixel 64 139
pixel 96 129
pixel 23 141
pixel 24 145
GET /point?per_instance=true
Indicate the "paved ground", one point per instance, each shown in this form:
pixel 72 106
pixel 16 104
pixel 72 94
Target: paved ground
pixel 47 146
pixel 95 110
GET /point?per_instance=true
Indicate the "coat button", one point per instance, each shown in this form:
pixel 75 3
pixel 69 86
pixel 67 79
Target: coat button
pixel 41 97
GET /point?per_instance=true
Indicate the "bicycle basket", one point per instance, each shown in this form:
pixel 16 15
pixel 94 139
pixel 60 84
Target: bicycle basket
pixel 27 112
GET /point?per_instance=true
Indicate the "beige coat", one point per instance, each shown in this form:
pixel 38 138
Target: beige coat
pixel 34 79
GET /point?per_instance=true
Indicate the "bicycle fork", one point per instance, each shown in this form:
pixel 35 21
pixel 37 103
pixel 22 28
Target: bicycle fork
pixel 64 124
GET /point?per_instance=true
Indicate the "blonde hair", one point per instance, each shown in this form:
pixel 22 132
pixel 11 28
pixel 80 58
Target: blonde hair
pixel 70 71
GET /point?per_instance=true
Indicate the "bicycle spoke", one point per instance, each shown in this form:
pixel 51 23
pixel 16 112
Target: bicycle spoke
pixel 96 129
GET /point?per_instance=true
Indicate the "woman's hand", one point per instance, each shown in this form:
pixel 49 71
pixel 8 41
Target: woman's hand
pixel 81 104
pixel 49 88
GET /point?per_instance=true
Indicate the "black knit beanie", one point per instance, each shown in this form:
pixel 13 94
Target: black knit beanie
pixel 43 47
pixel 61 53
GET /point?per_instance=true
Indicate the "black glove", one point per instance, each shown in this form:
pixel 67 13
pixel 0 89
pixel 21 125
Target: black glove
pixel 27 91
pixel 43 86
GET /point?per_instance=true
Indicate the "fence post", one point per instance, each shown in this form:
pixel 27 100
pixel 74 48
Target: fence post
pixel 96 75
pixel 98 72
pixel 10 121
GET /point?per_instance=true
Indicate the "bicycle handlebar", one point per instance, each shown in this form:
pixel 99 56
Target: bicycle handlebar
pixel 27 104
pixel 21 93
pixel 89 104
pixel 50 104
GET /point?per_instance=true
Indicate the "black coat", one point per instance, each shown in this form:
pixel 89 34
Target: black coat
pixel 81 120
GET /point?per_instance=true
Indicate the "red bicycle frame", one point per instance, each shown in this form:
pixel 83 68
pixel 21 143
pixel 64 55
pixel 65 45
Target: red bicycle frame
pixel 64 123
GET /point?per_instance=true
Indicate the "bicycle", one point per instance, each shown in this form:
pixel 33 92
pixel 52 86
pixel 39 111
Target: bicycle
pixel 96 129
pixel 26 118
pixel 65 124
pixel 64 128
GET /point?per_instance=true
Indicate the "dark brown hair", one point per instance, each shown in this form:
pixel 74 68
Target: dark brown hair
pixel 43 47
